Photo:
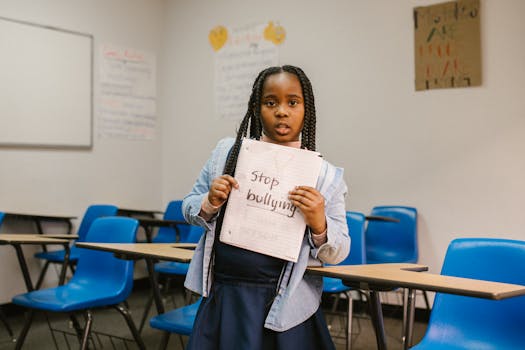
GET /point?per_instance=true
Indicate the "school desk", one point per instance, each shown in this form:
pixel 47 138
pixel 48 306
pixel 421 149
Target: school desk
pixel 17 240
pixel 39 219
pixel 381 218
pixel 138 212
pixel 379 277
pixel 149 224
pixel 180 252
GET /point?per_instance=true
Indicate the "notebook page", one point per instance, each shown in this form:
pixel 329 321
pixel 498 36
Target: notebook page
pixel 259 217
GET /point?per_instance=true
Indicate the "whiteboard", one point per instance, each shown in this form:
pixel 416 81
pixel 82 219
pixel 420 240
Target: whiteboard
pixel 46 86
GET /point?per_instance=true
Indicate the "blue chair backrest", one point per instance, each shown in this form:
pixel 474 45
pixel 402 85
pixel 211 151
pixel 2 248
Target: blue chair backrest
pixel 93 212
pixel 392 242
pixel 103 269
pixel 356 230
pixel 1 217
pixel 477 323
pixel 188 233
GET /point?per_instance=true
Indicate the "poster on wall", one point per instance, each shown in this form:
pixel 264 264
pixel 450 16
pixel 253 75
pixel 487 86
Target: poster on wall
pixel 127 100
pixel 447 45
pixel 240 54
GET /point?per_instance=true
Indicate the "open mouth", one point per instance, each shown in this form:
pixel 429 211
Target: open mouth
pixel 282 129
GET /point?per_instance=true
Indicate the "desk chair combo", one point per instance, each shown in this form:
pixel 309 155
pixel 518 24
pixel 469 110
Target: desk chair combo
pixel 394 242
pixel 357 256
pixel 3 318
pixel 182 234
pixel 459 322
pixel 100 280
pixel 57 256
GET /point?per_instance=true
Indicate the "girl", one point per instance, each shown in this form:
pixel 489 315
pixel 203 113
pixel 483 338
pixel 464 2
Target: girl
pixel 254 301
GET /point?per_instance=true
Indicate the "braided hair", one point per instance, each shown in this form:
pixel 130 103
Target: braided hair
pixel 253 120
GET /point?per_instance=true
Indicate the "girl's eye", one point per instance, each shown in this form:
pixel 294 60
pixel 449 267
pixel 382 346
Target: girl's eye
pixel 269 103
pixel 293 103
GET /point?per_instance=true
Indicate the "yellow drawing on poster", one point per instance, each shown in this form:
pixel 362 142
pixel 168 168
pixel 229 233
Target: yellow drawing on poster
pixel 274 33
pixel 218 37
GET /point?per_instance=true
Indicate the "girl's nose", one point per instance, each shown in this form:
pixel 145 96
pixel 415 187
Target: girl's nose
pixel 280 111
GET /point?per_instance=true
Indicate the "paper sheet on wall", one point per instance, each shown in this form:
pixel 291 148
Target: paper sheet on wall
pixel 127 105
pixel 259 216
pixel 244 54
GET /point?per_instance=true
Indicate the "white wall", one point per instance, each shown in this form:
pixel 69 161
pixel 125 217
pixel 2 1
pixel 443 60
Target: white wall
pixel 58 181
pixel 455 154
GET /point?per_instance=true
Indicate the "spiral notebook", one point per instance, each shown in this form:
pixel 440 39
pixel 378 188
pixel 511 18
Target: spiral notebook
pixel 259 217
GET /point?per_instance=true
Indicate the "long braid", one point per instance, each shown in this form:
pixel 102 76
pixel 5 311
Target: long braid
pixel 308 132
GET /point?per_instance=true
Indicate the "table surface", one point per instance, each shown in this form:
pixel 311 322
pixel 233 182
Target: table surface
pixel 40 216
pixel 410 276
pixel 180 252
pixel 160 222
pixel 21 238
pixel 133 211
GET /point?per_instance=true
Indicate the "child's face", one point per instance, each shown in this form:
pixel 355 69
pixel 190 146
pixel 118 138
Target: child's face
pixel 282 107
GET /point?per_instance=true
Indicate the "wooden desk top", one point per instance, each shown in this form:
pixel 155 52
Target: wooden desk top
pixel 406 276
pixel 180 252
pixel 132 211
pixel 20 238
pixel 39 216
pixel 67 236
pixel 160 222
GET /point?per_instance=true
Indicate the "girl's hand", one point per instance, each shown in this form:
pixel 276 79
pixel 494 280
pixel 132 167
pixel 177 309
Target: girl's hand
pixel 311 203
pixel 220 189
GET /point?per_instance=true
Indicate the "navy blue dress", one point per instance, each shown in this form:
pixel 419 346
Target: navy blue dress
pixel 233 315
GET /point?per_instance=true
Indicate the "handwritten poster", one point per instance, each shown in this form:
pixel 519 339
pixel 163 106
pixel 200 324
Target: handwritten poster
pixel 240 54
pixel 447 45
pixel 259 216
pixel 127 105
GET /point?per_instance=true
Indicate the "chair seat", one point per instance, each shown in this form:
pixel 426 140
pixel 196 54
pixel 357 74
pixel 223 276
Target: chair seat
pixel 334 285
pixel 172 268
pixel 57 256
pixel 71 297
pixel 178 321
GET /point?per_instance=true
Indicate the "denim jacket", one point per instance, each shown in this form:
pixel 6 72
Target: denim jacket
pixel 299 294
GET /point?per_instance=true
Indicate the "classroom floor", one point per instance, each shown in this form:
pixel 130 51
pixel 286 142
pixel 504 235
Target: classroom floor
pixel 109 321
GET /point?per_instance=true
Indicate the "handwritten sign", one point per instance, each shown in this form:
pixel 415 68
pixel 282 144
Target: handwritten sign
pixel 259 216
pixel 447 45
pixel 241 53
pixel 127 105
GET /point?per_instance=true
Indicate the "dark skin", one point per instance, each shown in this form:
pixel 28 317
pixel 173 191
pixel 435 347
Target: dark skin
pixel 282 115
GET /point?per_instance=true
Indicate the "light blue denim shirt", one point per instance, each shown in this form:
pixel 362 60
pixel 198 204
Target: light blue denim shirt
pixel 299 294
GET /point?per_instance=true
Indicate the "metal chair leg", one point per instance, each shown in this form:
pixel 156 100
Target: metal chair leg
pixel 146 312
pixel 3 318
pixel 87 330
pixel 407 338
pixel 42 275
pixel 349 313
pixel 164 341
pixel 127 316
pixel 22 337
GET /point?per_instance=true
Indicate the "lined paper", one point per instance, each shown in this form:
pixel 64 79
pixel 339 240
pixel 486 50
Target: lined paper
pixel 259 217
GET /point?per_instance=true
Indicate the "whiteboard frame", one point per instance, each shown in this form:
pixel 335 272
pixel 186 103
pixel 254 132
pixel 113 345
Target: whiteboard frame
pixel 73 144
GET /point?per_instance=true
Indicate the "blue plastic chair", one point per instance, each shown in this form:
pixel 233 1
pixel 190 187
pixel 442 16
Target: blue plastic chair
pixel 186 234
pixel 57 256
pixel 100 280
pixel 459 322
pixel 392 242
pixel 357 256
pixel 179 321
